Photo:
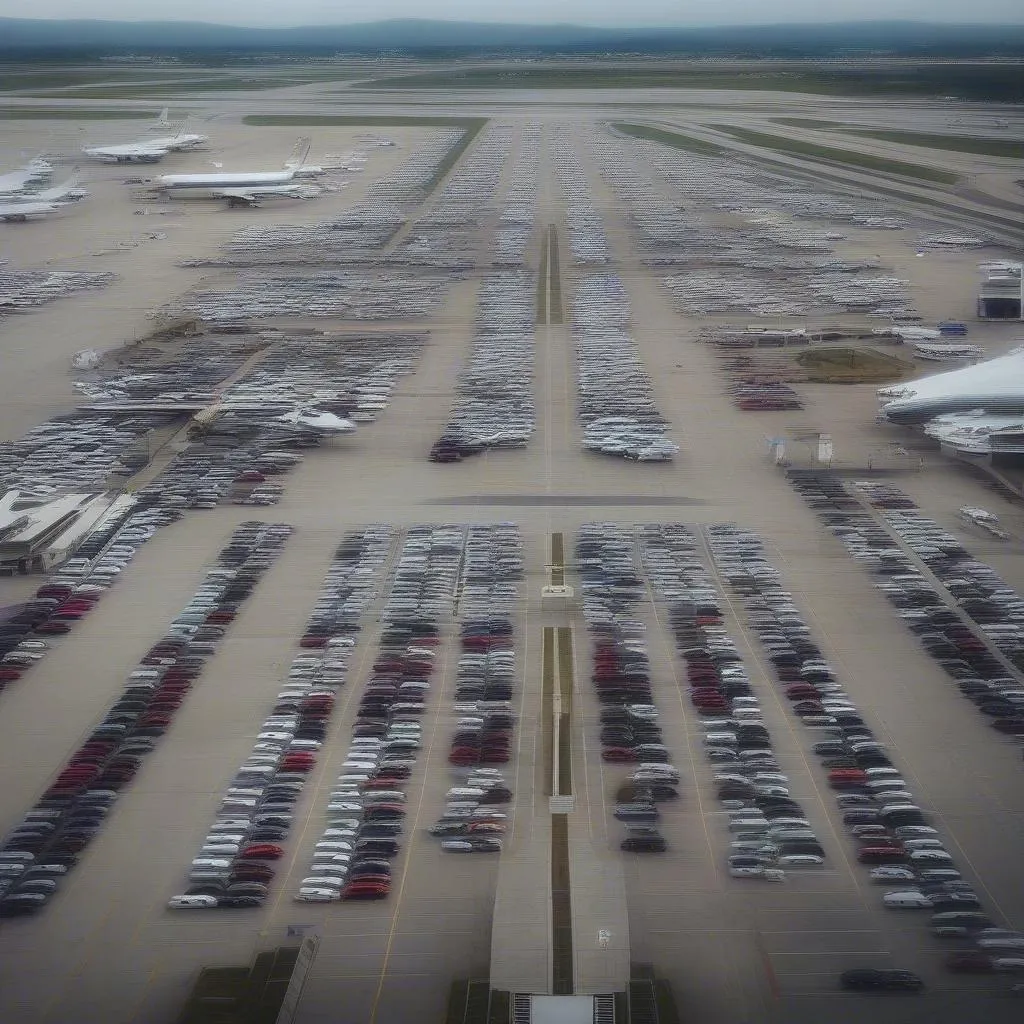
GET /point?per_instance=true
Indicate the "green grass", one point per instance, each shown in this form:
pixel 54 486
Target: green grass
pixel 806 122
pixel 368 120
pixel 952 143
pixel 140 90
pixel 73 114
pixel 595 78
pixel 1002 83
pixel 55 79
pixel 843 156
pixel 686 142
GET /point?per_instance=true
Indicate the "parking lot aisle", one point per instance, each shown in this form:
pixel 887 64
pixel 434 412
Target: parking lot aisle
pixel 525 766
pixel 964 777
pixel 678 908
pixel 114 902
pixel 425 869
pixel 86 668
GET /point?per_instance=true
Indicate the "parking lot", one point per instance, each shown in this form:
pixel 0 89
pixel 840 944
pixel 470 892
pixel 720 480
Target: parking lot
pixel 464 362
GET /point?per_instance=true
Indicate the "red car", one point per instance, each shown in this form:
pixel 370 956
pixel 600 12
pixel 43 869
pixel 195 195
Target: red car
pixel 970 962
pixel 261 851
pixel 365 890
pixel 618 755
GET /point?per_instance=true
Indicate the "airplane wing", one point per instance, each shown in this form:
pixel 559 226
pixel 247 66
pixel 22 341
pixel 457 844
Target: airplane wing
pixel 14 181
pixel 252 196
pixel 14 212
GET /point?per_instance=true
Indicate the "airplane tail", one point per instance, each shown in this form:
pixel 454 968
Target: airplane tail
pixel 163 121
pixel 300 151
pixel 60 191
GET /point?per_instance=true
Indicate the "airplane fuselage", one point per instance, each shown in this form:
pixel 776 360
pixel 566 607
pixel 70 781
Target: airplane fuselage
pixel 206 186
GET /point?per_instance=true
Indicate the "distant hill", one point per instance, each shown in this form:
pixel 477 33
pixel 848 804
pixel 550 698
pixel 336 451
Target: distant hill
pixel 21 36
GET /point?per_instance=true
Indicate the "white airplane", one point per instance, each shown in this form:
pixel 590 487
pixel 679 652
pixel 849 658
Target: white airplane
pixel 41 204
pixel 240 188
pixel 148 151
pixel 321 422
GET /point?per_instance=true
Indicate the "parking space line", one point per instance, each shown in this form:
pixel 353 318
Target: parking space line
pixel 520 729
pixel 756 656
pixel 413 832
pixel 369 653
pixel 687 727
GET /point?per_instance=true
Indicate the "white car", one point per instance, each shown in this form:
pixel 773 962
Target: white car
pixel 315 894
pixel 891 873
pixel 768 874
pixel 192 902
pixel 907 899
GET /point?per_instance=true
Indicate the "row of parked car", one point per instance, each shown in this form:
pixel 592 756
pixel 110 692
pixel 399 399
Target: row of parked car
pixel 588 240
pixel 890 830
pixel 768 830
pixel 975 587
pixel 961 651
pixel 484 686
pixel 44 847
pixel 494 405
pixel 72 591
pixel 367 804
pixel 232 867
pixel 614 394
pixel 621 674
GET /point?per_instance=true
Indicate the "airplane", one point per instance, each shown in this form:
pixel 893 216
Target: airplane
pixel 42 204
pixel 241 188
pixel 313 419
pixel 148 151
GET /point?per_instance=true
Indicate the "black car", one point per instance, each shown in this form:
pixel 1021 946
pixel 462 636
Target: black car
pixel 644 844
pixel 869 980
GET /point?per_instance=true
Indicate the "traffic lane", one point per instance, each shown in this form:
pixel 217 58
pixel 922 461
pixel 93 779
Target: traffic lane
pixel 435 885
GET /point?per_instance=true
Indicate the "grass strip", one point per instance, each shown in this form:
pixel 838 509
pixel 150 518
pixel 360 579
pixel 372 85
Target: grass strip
pixel 555 278
pixel 853 366
pixel 457 997
pixel 477 1002
pixel 542 284
pixel 561 908
pixel 454 155
pixel 665 1001
pixel 565 688
pixel 843 156
pixel 73 114
pixel 806 122
pixel 369 120
pixel 951 143
pixel 547 691
pixel 557 559
pixel 673 139
pixel 143 89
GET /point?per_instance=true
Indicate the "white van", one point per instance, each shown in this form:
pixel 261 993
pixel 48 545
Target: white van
pixel 907 900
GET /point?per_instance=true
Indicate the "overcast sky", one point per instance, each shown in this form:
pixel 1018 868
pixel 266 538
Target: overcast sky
pixel 587 12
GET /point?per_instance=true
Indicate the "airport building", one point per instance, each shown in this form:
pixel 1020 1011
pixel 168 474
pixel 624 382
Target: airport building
pixel 37 534
pixel 1001 296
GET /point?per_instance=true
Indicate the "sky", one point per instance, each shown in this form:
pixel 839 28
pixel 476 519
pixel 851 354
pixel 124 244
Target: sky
pixel 582 12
